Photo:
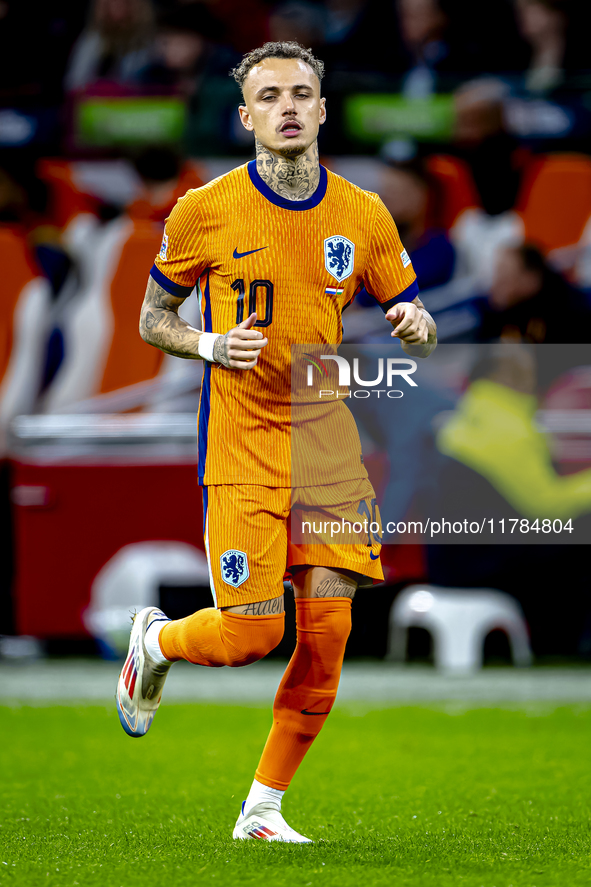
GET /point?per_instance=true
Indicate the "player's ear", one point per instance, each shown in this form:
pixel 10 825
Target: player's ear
pixel 322 110
pixel 245 118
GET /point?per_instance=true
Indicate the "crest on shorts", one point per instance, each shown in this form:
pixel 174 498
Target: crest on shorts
pixel 234 565
pixel 339 256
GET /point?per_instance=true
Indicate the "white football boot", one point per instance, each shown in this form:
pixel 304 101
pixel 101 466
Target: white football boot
pixel 265 823
pixel 139 689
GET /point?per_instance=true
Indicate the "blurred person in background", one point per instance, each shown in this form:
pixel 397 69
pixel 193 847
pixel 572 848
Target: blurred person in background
pixel 35 42
pixel 495 159
pixel 103 354
pixel 116 46
pixel 43 277
pixel 23 198
pixel 547 100
pixel 493 461
pixel 25 208
pixel 481 139
pixel 528 301
pixel 443 41
pixel 544 25
pixel 181 53
pixel 578 260
pixel 188 50
pixel 192 59
pixel 298 20
pixel 35 267
pixel 342 19
pixel 360 39
pixel 424 32
pixel 243 24
pixel 412 197
pixel 493 432
pixel 165 177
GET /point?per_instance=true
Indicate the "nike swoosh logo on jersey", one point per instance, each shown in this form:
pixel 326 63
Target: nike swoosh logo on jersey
pixel 306 712
pixel 373 556
pixel 238 255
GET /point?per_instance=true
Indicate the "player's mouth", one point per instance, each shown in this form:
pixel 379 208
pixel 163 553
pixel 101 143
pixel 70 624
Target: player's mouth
pixel 290 129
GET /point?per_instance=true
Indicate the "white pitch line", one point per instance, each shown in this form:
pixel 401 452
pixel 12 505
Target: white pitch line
pixel 373 684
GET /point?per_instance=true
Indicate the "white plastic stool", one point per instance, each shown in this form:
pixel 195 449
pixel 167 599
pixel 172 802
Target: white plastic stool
pixel 131 581
pixel 458 620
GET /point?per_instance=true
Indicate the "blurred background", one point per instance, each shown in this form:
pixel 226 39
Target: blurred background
pixel 472 122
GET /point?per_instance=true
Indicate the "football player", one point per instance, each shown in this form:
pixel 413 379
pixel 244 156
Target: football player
pixel 276 248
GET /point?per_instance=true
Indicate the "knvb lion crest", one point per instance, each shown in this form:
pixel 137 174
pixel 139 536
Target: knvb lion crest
pixel 339 256
pixel 234 566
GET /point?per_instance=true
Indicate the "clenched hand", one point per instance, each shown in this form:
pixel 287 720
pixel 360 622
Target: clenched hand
pixel 409 322
pixel 241 346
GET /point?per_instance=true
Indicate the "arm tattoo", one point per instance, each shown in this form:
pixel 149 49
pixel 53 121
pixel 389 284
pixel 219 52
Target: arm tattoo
pixel 264 608
pixel 295 178
pixel 161 326
pixel 336 586
pixel 220 350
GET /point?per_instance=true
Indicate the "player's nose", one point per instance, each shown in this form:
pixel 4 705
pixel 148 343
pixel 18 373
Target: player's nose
pixel 288 105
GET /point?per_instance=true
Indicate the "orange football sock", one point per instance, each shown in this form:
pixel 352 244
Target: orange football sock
pixel 308 689
pixel 216 637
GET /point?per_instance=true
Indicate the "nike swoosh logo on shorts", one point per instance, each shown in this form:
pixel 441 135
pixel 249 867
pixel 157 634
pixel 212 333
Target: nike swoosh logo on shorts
pixel 238 255
pixel 306 712
pixel 373 556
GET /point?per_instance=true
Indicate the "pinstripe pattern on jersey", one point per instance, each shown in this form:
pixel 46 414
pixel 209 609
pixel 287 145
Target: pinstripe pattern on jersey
pixel 205 396
pixel 248 414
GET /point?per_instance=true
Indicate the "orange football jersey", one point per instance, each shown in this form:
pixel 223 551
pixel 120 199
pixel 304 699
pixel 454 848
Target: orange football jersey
pixel 298 264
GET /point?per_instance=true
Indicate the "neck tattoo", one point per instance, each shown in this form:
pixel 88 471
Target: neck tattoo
pixel 295 178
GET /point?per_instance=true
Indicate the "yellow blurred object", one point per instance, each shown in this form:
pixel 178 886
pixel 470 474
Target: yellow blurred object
pixel 493 432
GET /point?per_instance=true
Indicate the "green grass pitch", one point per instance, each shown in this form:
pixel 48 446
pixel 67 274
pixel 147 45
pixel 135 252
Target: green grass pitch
pixel 402 796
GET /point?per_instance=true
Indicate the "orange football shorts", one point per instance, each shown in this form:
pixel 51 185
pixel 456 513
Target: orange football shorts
pixel 256 536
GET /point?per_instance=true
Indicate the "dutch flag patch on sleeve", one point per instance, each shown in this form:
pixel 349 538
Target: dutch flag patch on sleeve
pixel 405 258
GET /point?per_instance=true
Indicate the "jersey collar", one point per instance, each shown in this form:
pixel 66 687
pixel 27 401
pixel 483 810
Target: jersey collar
pixel 284 202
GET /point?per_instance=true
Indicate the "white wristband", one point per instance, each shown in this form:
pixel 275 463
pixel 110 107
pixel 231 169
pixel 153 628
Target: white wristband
pixel 206 343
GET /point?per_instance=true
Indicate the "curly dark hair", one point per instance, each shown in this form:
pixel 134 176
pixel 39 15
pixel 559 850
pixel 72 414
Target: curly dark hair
pixel 287 49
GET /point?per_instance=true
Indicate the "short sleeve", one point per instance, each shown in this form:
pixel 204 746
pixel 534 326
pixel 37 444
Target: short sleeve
pixel 182 257
pixel 389 275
